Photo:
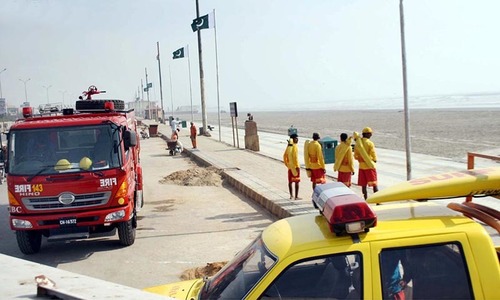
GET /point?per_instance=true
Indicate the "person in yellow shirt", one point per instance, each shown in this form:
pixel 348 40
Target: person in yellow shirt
pixel 291 160
pixel 364 153
pixel 344 161
pixel 316 161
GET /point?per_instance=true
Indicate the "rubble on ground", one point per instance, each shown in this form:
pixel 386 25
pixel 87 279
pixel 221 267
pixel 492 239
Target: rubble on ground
pixel 196 176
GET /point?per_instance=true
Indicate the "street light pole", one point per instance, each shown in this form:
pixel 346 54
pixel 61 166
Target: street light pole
pixel 25 89
pixel 4 69
pixel 47 88
pixel 62 92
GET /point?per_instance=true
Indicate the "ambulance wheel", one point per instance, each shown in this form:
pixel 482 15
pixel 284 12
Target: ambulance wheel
pixel 29 242
pixel 126 232
pixel 98 104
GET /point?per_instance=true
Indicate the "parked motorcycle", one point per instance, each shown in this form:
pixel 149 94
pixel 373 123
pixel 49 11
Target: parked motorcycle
pixel 144 134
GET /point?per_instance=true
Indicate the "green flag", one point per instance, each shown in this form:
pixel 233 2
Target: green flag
pixel 179 53
pixel 201 23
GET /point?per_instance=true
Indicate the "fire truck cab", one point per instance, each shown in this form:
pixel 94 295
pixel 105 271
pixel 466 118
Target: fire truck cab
pixel 74 173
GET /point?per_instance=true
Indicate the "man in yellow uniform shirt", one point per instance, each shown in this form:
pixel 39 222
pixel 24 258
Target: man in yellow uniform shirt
pixel 316 161
pixel 291 160
pixel 367 174
pixel 344 161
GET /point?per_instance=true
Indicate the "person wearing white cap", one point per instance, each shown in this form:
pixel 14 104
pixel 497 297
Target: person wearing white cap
pixel 364 153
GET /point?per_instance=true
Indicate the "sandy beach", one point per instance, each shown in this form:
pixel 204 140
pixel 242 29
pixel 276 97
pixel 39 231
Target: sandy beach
pixel 447 133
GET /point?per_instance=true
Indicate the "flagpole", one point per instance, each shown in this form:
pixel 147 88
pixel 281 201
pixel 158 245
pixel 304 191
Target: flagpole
pixel 190 88
pixel 202 79
pixel 217 73
pixel 161 88
pixel 171 91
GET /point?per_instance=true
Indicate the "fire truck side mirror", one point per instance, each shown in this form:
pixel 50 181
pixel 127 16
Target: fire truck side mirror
pixel 129 139
pixel 5 156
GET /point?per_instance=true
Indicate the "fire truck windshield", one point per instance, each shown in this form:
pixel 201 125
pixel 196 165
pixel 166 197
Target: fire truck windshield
pixel 63 149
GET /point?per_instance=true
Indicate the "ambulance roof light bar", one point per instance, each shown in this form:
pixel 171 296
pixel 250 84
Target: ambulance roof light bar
pixel 344 210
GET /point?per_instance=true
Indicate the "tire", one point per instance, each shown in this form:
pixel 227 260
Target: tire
pixel 314 204
pixel 29 242
pixel 126 232
pixel 98 104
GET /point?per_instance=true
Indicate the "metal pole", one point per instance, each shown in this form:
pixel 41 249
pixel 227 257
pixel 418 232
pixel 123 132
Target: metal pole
pixel 171 90
pixel 190 88
pixel 47 89
pixel 1 95
pixel 202 80
pixel 161 88
pixel 25 89
pixel 237 136
pixel 217 72
pixel 232 127
pixel 147 94
pixel 142 100
pixel 63 92
pixel 405 92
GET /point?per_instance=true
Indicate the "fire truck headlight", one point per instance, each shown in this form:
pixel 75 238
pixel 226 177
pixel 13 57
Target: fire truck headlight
pixel 117 215
pixel 17 223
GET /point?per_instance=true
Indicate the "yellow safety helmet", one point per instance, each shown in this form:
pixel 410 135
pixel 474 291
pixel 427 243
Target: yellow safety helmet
pixel 367 130
pixel 62 164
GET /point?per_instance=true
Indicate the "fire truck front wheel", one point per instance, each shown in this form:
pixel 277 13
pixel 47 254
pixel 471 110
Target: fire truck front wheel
pixel 29 242
pixel 126 232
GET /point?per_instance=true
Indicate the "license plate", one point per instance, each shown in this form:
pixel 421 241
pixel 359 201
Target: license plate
pixel 67 222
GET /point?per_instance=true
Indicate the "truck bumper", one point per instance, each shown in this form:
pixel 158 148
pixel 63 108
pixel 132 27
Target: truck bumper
pixel 72 219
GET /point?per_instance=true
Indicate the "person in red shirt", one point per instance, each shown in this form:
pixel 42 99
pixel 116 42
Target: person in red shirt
pixel 192 135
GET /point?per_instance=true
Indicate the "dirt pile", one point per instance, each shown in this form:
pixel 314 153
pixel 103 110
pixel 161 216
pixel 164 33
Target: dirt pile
pixel 209 270
pixel 196 176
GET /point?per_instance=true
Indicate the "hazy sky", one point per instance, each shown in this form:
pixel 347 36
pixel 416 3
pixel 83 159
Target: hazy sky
pixel 273 54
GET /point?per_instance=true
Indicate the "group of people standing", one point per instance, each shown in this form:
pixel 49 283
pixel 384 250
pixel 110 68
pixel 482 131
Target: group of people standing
pixel 364 152
pixel 174 125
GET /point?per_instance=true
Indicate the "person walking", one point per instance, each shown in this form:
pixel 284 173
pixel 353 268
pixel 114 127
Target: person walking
pixel 291 160
pixel 364 153
pixel 192 134
pixel 344 161
pixel 315 162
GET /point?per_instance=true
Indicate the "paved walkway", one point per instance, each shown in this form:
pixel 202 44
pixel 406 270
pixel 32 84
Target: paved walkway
pixel 262 175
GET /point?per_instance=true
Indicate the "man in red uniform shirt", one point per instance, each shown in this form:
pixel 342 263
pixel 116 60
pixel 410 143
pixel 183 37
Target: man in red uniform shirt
pixel 192 135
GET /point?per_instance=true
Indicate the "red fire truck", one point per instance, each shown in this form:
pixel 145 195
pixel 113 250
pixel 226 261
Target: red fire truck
pixel 74 173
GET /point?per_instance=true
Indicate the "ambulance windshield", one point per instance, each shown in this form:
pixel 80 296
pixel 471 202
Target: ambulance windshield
pixel 240 275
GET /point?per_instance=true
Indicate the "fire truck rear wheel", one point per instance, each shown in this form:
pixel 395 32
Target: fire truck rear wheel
pixel 126 232
pixel 29 242
pixel 98 104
